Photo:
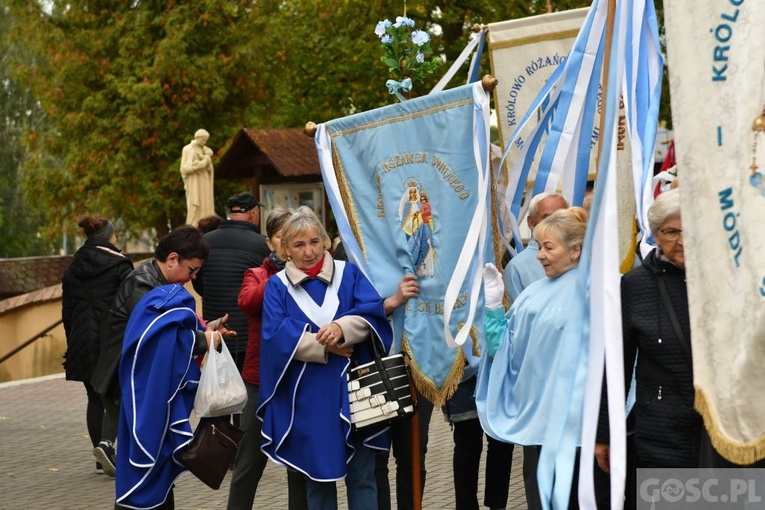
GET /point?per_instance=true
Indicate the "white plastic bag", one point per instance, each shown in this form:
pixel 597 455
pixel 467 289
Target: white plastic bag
pixel 221 388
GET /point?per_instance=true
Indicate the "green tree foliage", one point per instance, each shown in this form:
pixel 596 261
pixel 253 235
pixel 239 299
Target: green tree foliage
pixel 127 84
pixel 20 219
pixel 323 58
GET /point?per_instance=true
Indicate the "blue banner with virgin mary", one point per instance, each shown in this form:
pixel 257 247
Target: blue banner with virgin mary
pixel 410 188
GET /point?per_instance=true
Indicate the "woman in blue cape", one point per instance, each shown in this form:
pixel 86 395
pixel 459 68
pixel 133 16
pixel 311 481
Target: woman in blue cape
pixel 318 317
pixel 531 385
pixel 159 377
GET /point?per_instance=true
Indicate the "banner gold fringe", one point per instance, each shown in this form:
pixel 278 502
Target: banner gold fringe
pixel 345 196
pixel 733 451
pixel 425 385
pixel 629 261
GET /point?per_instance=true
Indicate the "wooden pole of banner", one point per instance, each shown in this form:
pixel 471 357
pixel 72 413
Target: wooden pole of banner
pixel 610 15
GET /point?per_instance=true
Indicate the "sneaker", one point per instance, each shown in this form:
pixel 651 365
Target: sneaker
pixel 99 468
pixel 104 452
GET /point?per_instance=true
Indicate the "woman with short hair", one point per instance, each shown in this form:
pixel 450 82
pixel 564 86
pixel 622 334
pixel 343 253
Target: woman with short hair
pixel 531 381
pixel 320 317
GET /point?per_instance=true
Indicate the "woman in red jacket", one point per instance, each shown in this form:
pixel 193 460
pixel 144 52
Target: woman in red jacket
pixel 250 461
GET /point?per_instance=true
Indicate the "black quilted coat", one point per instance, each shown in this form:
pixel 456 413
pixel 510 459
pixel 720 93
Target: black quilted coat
pixel 235 247
pixel 667 428
pixel 89 284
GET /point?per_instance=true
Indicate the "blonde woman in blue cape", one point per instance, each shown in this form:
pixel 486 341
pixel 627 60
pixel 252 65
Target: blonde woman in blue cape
pixel 320 317
pixel 530 388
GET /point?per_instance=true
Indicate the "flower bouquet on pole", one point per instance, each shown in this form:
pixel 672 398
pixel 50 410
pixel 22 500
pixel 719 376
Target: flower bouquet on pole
pixel 405 52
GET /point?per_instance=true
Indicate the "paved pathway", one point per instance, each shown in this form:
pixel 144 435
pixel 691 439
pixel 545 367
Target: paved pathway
pixel 46 461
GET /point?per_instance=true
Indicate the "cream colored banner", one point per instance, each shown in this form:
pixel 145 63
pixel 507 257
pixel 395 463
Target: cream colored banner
pixel 524 53
pixel 716 60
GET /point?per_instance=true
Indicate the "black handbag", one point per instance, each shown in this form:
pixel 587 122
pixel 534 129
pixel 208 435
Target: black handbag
pixel 212 450
pixel 380 392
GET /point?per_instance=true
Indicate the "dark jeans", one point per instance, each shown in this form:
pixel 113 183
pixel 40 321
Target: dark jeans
pixel 400 435
pixel 360 485
pixel 466 463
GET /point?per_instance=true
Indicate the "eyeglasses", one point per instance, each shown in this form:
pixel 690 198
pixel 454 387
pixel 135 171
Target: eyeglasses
pixel 192 269
pixel 671 234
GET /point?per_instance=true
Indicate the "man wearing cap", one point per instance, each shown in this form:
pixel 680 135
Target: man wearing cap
pixel 235 246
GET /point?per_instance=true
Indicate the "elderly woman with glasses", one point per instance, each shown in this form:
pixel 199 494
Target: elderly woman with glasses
pixel 656 328
pixel 320 316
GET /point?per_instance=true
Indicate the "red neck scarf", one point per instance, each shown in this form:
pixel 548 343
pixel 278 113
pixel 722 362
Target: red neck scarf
pixel 315 270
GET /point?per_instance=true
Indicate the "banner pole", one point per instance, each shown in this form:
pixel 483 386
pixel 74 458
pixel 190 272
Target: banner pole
pixel 610 15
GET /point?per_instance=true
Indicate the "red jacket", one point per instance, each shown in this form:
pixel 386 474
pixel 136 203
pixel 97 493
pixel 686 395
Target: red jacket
pixel 250 301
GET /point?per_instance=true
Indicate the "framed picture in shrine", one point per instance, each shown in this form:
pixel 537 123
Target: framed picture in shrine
pixel 310 194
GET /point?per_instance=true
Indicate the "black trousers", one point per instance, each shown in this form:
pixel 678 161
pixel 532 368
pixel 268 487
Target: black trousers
pixel 466 464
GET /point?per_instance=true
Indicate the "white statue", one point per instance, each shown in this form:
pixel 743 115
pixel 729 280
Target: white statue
pixel 197 173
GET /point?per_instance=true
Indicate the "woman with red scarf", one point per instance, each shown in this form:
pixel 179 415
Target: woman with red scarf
pixel 319 317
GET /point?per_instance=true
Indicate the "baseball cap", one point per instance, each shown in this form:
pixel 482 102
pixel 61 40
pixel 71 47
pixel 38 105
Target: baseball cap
pixel 243 202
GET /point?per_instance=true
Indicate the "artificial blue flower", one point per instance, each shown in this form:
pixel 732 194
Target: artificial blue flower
pixel 381 26
pixel 420 37
pixel 402 21
pixel 420 58
pixel 386 39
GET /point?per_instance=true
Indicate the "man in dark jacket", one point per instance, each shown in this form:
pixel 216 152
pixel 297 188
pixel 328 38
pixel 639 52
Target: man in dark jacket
pixel 235 246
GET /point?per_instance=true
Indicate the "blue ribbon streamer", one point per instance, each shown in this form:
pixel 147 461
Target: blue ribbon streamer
pixel 394 87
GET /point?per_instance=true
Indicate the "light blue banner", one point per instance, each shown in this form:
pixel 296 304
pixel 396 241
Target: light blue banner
pixel 409 187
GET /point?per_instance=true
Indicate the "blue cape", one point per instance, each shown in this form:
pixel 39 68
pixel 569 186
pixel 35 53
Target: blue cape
pixel 304 406
pixel 159 379
pixel 533 387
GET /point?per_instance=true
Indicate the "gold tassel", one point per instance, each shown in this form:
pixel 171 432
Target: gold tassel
pixel 738 453
pixel 425 385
